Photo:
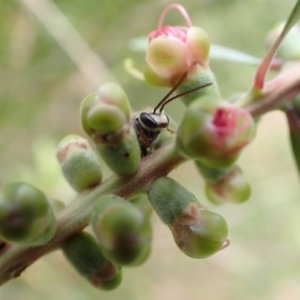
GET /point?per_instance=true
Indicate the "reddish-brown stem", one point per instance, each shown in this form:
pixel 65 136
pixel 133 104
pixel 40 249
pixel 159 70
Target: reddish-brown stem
pixel 276 92
pixel 75 217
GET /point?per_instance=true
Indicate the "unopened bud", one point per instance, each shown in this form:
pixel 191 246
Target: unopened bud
pixel 25 215
pixel 233 188
pixel 106 119
pixel 174 50
pixel 215 133
pixel 112 94
pixel 197 232
pixel 85 255
pixel 211 174
pixel 123 231
pixel 122 156
pixel 79 163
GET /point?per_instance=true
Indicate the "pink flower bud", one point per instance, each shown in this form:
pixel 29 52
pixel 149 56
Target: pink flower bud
pixel 215 133
pixel 174 50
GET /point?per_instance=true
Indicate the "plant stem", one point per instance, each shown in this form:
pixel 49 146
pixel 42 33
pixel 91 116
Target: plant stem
pixel 276 92
pixel 75 217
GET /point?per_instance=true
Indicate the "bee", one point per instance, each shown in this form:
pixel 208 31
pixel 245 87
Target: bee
pixel 150 123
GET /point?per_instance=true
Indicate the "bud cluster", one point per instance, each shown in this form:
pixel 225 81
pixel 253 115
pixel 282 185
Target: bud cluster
pixel 106 119
pixel 212 133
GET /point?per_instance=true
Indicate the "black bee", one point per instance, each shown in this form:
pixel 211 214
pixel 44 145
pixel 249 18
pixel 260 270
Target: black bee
pixel 149 124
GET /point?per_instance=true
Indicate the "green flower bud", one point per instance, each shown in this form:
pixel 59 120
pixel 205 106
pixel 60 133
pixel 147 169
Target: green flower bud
pixel 211 174
pixel 121 153
pixel 106 111
pixel 232 188
pixel 106 121
pixel 123 231
pixel 85 255
pixel 197 232
pixel 87 104
pixel 25 215
pixel 112 94
pixel 79 163
pixel 215 133
pixel 105 118
pixel 202 238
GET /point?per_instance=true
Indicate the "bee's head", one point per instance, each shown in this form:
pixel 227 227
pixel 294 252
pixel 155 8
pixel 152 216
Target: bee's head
pixel 153 122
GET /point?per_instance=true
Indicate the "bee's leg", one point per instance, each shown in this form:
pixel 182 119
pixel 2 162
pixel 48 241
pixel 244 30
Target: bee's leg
pixel 171 131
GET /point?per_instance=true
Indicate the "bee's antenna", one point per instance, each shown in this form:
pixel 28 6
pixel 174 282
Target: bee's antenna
pixel 170 92
pixel 182 94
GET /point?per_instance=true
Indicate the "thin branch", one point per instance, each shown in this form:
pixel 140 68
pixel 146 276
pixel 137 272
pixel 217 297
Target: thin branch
pixel 75 217
pixel 87 61
pixel 276 91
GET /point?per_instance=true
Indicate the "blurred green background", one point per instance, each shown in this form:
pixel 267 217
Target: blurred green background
pixel 43 81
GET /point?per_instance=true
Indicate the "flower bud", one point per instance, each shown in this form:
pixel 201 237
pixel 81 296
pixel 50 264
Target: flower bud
pixel 211 174
pixel 112 94
pixel 85 255
pixel 232 188
pixel 25 215
pixel 174 50
pixel 123 231
pixel 215 133
pixel 111 100
pixel 106 120
pixel 166 55
pixel 197 232
pixel 79 163
pixel 87 104
pixel 123 155
pixel 198 44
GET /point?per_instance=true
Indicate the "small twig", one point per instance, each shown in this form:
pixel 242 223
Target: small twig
pixel 276 91
pixel 75 217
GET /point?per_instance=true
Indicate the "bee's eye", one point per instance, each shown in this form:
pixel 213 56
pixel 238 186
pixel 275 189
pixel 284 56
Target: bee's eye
pixel 148 121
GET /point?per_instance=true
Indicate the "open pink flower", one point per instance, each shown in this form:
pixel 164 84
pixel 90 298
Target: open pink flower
pixel 173 50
